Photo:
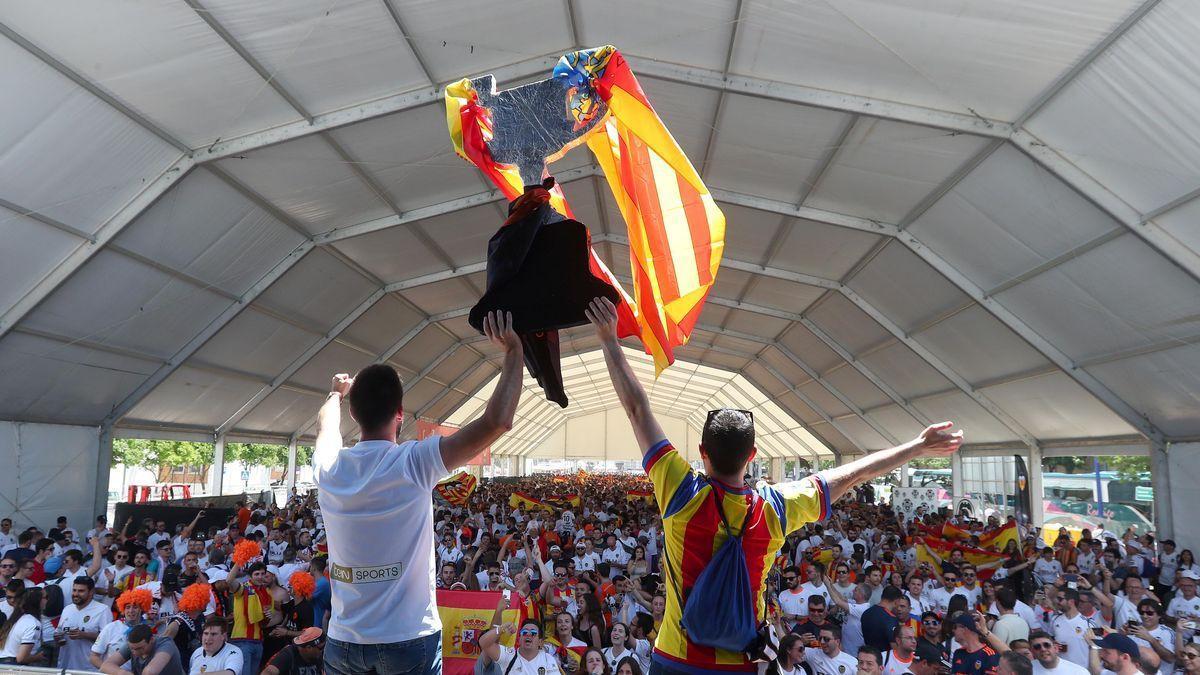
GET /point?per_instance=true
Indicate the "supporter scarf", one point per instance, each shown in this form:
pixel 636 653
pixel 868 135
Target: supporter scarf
pixel 676 232
pixel 566 654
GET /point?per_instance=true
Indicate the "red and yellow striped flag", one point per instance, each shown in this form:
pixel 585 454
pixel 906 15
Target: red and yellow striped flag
pixel 997 539
pixel 456 489
pixel 934 551
pixel 676 232
pixel 954 533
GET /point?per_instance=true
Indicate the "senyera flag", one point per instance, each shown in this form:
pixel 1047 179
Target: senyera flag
pixel 456 489
pixel 676 232
pixel 521 500
pixel 936 551
pixel 465 616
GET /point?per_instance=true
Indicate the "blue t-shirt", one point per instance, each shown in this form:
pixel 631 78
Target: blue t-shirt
pixel 983 662
pixel 320 600
pixel 878 624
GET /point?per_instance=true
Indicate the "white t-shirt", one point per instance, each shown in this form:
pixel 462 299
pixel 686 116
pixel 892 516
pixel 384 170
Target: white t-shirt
pixel 893 665
pixel 1167 637
pixel 852 635
pixel 112 638
pixel 1064 667
pixel 542 664
pixel 102 583
pixel 641 652
pixel 1047 571
pixel 971 594
pixel 841 664
pixel 92 619
pixel 1069 632
pixel 793 603
pixel 275 551
pixel 1087 562
pixel 1182 607
pixel 153 539
pixel 808 590
pixel 228 658
pixel 7 541
pixel 379 519
pixel 27 631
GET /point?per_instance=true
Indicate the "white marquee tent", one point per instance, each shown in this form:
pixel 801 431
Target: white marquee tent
pixel 937 209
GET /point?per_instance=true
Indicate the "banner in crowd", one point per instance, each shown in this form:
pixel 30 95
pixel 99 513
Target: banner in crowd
pixel 935 551
pixel 521 500
pixel 456 489
pixel 465 616
pixel 997 539
pixel 953 532
pixel 644 495
pixel 427 428
pixel 913 502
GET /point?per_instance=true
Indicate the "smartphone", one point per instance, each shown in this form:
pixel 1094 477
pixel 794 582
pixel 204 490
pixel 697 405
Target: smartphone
pixel 1071 578
pixel 1187 625
pixel 1072 585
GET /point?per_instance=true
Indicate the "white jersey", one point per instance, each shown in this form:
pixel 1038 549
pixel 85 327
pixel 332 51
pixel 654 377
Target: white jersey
pixel 822 664
pixel 1064 667
pixel 1166 636
pixel 111 639
pixel 92 618
pixel 1181 607
pixel 1047 571
pixel 1069 632
pixel 379 520
pixel 894 665
pixel 227 658
pixel 275 551
pixel 513 663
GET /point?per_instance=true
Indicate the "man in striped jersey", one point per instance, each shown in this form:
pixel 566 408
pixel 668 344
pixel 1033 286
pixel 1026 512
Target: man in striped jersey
pixel 691 523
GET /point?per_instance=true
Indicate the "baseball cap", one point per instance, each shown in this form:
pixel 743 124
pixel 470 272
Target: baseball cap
pixel 309 636
pixel 1121 643
pixel 556 548
pixel 966 620
pixel 1189 574
pixel 1168 541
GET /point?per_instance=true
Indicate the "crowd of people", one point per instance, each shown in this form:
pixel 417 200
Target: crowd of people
pixel 675 572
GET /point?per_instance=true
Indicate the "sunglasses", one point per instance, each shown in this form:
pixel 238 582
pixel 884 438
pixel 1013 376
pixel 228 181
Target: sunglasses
pixel 1042 645
pixel 1147 612
pixel 931 622
pixel 1189 655
pixel 824 638
pixel 529 631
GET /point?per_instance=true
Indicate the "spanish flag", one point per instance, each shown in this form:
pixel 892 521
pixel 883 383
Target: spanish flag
pixel 465 616
pixel 935 551
pixel 676 232
pixel 571 499
pixel 456 489
pixel 954 533
pixel 566 655
pixel 644 495
pixel 997 539
pixel 520 500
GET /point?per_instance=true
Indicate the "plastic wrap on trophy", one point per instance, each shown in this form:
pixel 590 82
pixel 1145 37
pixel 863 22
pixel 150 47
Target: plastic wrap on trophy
pixel 538 261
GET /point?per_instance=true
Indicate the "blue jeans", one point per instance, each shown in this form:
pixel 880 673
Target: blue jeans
pixel 419 656
pixel 252 653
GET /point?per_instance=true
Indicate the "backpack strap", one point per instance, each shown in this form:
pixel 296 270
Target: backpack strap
pixel 718 499
pixel 516 655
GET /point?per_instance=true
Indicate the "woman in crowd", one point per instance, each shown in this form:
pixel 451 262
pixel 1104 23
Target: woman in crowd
pixel 563 644
pixel 624 645
pixel 629 666
pixel 594 662
pixel 639 566
pixel 590 627
pixel 788 662
pixel 1189 656
pixel 21 635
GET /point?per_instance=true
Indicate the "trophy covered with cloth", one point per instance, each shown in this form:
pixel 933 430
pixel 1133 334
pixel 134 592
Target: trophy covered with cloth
pixel 540 264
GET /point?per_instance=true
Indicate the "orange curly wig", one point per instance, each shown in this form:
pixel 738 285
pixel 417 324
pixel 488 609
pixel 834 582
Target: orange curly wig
pixel 136 596
pixel 195 598
pixel 302 584
pixel 245 551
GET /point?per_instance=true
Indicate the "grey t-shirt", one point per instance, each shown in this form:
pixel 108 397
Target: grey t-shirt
pixel 161 644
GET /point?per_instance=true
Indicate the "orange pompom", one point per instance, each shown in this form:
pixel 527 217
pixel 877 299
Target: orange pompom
pixel 302 584
pixel 245 551
pixel 195 598
pixel 137 596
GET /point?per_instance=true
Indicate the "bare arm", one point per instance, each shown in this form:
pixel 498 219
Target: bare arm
pixel 497 418
pixel 936 440
pixel 329 424
pixel 157 663
pixel 190 527
pixel 646 428
pixel 112 664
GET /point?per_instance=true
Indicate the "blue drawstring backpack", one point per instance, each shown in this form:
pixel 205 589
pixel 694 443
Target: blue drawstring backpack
pixel 719 612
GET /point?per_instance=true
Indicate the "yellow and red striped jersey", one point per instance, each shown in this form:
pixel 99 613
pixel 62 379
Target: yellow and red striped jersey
pixel 248 612
pixel 692 532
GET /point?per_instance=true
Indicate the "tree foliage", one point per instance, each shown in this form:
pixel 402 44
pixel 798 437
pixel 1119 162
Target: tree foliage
pixel 930 463
pixel 151 454
pixel 1128 467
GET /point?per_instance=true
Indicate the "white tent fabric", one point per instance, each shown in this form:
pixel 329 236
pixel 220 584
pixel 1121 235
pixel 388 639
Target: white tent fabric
pixel 937 208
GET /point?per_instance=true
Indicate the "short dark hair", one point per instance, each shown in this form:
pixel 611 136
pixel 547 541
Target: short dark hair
pixel 533 622
pixel 376 396
pixel 84 580
pixel 1006 598
pixel 43 544
pixel 728 440
pixel 74 555
pixel 217 622
pixel 1017 662
pixel 834 630
pixel 868 649
pixel 140 633
pixel 891 593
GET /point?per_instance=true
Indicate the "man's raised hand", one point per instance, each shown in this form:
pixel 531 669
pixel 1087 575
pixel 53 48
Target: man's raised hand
pixel 603 315
pixel 498 327
pixel 341 384
pixel 937 439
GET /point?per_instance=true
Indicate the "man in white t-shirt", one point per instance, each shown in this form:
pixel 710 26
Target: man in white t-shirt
pixel 215 656
pixel 375 500
pixel 1070 627
pixel 1154 635
pixel 1046 660
pixel 526 657
pixel 793 606
pixel 80 624
pixel 8 540
pixel 1186 604
pixel 899 659
pixel 829 659
pixel 1046 569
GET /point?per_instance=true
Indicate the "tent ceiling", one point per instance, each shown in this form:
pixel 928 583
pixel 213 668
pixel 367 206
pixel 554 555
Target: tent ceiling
pixel 208 206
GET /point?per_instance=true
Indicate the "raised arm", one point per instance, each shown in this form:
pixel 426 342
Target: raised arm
pixel 497 418
pixel 936 440
pixel 329 424
pixel 646 428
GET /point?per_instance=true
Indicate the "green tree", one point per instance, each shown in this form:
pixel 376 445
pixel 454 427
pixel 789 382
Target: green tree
pixel 151 454
pixel 1128 467
pixel 930 463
